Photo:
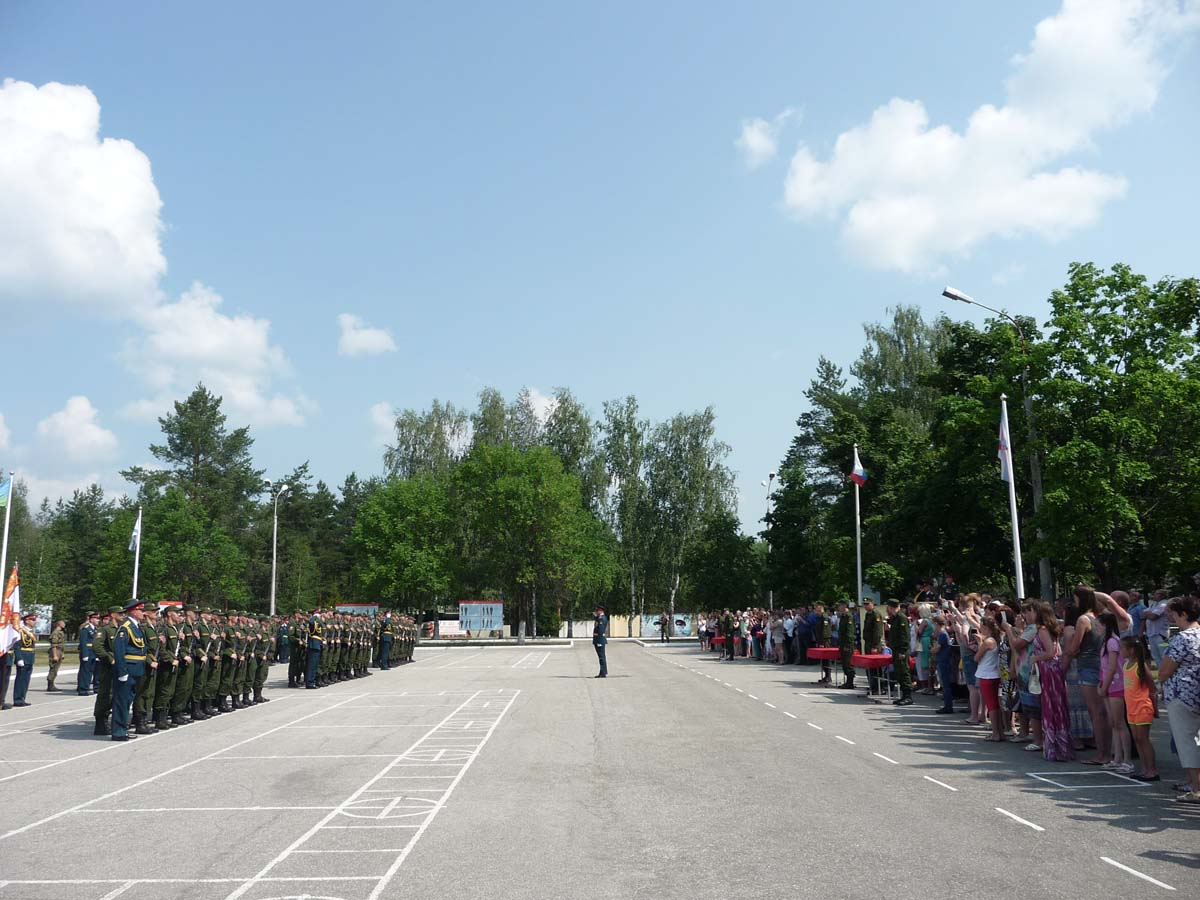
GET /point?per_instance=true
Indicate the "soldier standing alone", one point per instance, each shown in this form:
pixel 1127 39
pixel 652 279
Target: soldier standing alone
pixel 897 638
pixel 600 640
pixel 846 643
pixel 58 649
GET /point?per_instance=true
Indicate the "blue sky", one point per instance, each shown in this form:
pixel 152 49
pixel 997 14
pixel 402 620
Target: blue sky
pixel 547 195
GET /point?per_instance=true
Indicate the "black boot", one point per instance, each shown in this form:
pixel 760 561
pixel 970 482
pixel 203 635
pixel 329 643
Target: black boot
pixel 258 697
pixel 212 709
pixel 198 713
pixel 246 699
pixel 161 720
pixel 231 703
pixel 100 729
pixel 139 725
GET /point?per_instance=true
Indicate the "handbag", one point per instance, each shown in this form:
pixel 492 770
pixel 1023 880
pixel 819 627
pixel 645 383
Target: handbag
pixel 1035 679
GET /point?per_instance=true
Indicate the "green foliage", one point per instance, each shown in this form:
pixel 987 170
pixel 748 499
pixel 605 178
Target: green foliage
pixel 722 565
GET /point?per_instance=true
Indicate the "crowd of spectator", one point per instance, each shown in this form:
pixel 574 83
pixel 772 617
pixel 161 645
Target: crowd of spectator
pixel 1085 677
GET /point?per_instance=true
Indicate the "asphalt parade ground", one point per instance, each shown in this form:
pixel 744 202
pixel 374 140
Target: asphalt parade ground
pixel 512 773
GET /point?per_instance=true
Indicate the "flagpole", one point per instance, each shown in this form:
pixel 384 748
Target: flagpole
pixel 4 547
pixel 858 554
pixel 1006 449
pixel 137 553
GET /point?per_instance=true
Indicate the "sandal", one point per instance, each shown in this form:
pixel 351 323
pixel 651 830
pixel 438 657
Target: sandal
pixel 1092 762
pixel 1147 778
pixel 1191 798
pixel 1033 748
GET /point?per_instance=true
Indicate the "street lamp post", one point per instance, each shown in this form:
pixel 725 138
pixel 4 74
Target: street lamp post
pixel 1045 576
pixel 275 540
pixel 767 484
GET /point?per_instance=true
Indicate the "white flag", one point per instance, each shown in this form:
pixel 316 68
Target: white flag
pixel 135 539
pixel 1005 451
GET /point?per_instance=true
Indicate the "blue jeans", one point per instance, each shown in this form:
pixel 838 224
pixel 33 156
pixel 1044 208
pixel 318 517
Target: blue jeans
pixel 946 676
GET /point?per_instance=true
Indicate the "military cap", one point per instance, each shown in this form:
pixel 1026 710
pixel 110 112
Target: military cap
pixel 892 601
pixel 28 616
pixel 131 605
pixel 116 609
pixel 90 614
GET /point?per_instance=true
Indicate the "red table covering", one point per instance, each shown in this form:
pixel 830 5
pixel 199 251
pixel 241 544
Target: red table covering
pixel 824 653
pixel 873 660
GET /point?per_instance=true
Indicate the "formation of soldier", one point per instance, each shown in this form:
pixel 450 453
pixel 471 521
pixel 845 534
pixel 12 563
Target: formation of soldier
pixel 191 663
pixel 339 646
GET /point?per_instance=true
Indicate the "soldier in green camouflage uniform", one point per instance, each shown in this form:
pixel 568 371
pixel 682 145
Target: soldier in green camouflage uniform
pixel 102 644
pixel 263 653
pixel 230 646
pixel 250 662
pixel 897 638
pixel 298 649
pixel 170 651
pixel 847 642
pixel 183 705
pixel 216 646
pixel 143 703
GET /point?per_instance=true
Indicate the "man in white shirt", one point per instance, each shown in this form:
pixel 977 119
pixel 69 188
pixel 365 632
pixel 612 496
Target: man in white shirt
pixel 789 629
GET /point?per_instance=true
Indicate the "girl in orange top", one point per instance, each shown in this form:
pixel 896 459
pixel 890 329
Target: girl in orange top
pixel 1139 703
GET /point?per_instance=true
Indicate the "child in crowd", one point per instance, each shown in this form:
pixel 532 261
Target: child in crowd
pixel 1139 703
pixel 1112 689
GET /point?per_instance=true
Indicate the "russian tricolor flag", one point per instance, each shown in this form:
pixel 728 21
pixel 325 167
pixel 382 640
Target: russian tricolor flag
pixel 859 475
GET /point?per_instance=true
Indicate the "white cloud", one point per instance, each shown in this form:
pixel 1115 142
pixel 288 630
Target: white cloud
pixel 383 417
pixel 909 194
pixel 53 489
pixel 759 141
pixel 79 216
pixel 542 404
pixel 75 432
pixel 5 434
pixel 192 341
pixel 360 339
pixel 80 227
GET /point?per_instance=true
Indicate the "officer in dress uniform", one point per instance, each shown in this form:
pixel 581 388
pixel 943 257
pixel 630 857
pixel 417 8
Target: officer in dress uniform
pixel 58 649
pixel 283 642
pixel 129 666
pixel 316 637
pixel 897 638
pixel 600 640
pixel 87 655
pixel 102 643
pixel 387 636
pixel 23 655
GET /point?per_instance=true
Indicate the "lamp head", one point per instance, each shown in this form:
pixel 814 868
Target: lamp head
pixel 956 294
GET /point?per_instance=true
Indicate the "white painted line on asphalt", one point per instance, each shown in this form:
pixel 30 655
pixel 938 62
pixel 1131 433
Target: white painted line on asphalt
pixel 314 756
pixel 1016 818
pixel 164 772
pixel 1143 876
pixel 940 783
pixel 117 892
pixel 726 683
pixel 772 705
pixel 751 696
pixel 789 715
pixel 739 690
pixel 845 740
pixel 885 758
pixel 356 850
pixel 814 725
pixel 168 809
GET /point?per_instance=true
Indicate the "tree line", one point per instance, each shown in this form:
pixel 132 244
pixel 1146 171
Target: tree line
pixel 550 510
pixel 1112 384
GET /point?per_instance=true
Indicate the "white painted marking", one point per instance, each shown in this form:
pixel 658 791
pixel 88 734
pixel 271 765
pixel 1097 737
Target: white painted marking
pixel 1132 782
pixel 313 756
pixel 117 892
pixel 739 690
pixel 845 740
pixel 726 683
pixel 885 758
pixel 1016 818
pixel 170 809
pixel 940 783
pixel 395 867
pixel 751 696
pixel 165 772
pixel 814 725
pixel 1143 876
pixel 357 850
pixel 772 705
pixel 789 715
